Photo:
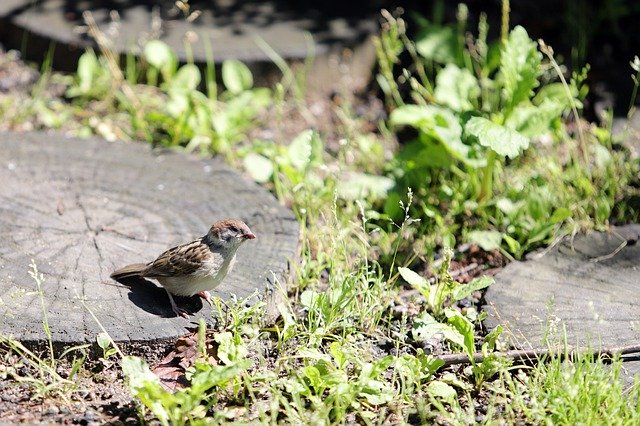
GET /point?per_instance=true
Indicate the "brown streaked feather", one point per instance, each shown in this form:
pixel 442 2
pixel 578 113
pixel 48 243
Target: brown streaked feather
pixel 181 260
pixel 133 270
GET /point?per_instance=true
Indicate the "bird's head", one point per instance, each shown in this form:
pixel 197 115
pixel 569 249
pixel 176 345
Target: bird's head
pixel 230 232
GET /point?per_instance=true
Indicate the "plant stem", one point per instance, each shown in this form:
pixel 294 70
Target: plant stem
pixel 486 186
pixel 504 30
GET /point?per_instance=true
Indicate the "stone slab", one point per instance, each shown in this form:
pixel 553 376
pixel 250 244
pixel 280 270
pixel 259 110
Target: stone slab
pixel 587 287
pixel 80 208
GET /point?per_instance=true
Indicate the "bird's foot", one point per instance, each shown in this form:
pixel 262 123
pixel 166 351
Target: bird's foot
pixel 206 296
pixel 178 311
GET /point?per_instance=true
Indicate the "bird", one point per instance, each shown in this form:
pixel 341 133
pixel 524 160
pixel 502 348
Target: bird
pixel 195 267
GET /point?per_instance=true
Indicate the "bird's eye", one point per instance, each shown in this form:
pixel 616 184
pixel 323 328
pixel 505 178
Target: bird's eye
pixel 234 229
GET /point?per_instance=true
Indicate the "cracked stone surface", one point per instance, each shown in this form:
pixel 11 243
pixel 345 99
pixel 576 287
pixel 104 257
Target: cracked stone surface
pixel 588 286
pixel 80 208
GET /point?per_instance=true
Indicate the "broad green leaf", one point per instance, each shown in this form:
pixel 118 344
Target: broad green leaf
pixel 259 167
pixel 437 44
pixel 236 76
pixel 231 348
pixel 309 299
pixel 392 206
pixel 87 68
pixel 487 240
pixel 520 66
pixel 146 386
pixel 533 121
pixel 315 379
pixel 159 54
pixel 103 340
pixel 507 206
pixel 561 214
pixel 504 141
pixel 186 79
pixel 302 149
pixel 464 327
pixel 465 290
pixel 441 390
pixel 436 124
pixel 456 88
pixel 410 115
pixel 412 278
pixel 426 327
pixel 512 243
pixel 355 185
pixel 491 338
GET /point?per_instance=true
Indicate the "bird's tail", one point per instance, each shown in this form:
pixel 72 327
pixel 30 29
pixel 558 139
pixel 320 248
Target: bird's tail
pixel 133 270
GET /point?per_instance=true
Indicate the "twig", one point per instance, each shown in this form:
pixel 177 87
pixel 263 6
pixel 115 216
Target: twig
pixel 535 354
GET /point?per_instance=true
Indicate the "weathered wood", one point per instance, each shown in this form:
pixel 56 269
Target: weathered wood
pixel 81 208
pixel 588 287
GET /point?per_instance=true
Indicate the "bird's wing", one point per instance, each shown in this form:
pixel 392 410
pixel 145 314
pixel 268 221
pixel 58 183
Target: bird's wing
pixel 178 261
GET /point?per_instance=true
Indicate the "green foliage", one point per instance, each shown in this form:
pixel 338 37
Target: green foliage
pixel 445 290
pixel 171 110
pixel 478 111
pixel 184 405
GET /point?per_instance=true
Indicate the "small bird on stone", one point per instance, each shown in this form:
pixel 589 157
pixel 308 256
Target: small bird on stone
pixel 195 267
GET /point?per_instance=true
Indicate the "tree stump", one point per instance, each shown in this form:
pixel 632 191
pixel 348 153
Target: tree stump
pixel 223 29
pixel 80 208
pixel 585 289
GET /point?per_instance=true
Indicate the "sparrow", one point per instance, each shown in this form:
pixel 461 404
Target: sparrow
pixel 195 267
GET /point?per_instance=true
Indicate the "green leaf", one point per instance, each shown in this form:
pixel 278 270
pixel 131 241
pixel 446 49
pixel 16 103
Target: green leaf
pixel 146 386
pixel 186 79
pixel 502 140
pixel 465 328
pixel 103 340
pixel 439 125
pixel 464 290
pixel 88 66
pixel 456 88
pixel 236 76
pixel 412 278
pixel 533 121
pixel 259 167
pixel 487 240
pixel 442 390
pixel 520 66
pixel 410 115
pixel 300 150
pixel 159 54
pixel 491 338
pixel 437 43
pixel 561 214
pixel 426 327
pixel 231 348
pixel 512 243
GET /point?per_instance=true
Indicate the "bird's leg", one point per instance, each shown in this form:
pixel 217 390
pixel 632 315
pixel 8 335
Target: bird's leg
pixel 180 312
pixel 206 296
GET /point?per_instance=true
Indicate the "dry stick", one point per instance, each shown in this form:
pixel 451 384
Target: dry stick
pixel 536 354
pixel 112 60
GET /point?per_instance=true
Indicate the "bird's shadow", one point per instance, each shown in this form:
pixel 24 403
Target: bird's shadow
pixel 155 300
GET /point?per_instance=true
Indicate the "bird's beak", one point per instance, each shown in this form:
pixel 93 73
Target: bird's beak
pixel 249 236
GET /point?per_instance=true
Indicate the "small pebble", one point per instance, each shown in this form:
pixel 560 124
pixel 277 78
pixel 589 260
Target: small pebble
pixel 52 411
